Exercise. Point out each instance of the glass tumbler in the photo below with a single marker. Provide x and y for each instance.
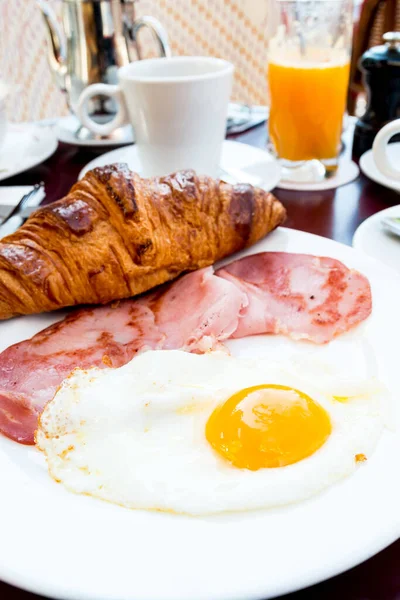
(309, 50)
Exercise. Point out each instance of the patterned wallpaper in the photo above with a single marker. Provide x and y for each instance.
(231, 29)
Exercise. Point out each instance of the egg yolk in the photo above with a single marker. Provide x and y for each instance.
(267, 426)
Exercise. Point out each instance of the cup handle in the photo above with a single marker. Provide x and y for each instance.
(113, 91)
(379, 149)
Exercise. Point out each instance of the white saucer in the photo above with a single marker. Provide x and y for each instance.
(374, 240)
(369, 168)
(25, 146)
(346, 173)
(246, 163)
(69, 131)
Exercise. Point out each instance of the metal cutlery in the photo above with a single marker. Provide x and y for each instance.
(17, 215)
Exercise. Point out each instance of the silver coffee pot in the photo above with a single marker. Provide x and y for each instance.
(95, 39)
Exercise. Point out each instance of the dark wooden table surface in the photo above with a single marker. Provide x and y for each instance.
(334, 214)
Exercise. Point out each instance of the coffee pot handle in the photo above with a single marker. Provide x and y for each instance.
(158, 31)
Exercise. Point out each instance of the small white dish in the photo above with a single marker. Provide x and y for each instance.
(70, 131)
(375, 240)
(346, 173)
(237, 159)
(25, 146)
(370, 169)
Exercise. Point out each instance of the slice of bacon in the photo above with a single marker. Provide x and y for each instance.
(189, 313)
(31, 371)
(298, 295)
(302, 296)
(197, 311)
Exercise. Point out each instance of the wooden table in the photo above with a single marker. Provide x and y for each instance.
(334, 214)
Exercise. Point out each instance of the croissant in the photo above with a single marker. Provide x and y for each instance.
(116, 235)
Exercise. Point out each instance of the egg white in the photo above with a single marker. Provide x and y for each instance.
(135, 436)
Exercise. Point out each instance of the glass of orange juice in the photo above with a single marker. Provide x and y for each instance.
(309, 48)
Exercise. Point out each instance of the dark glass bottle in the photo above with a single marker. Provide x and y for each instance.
(381, 74)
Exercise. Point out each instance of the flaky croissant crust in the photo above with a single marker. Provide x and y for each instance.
(116, 235)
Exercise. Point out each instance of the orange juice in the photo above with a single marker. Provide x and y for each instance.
(308, 101)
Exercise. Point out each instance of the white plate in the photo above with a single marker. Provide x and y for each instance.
(66, 546)
(374, 240)
(258, 164)
(26, 145)
(369, 168)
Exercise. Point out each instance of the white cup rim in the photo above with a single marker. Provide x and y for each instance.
(128, 71)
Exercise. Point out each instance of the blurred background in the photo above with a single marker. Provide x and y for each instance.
(232, 29)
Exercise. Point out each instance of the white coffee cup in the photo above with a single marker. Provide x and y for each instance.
(177, 107)
(379, 150)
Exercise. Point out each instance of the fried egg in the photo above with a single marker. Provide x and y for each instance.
(203, 434)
